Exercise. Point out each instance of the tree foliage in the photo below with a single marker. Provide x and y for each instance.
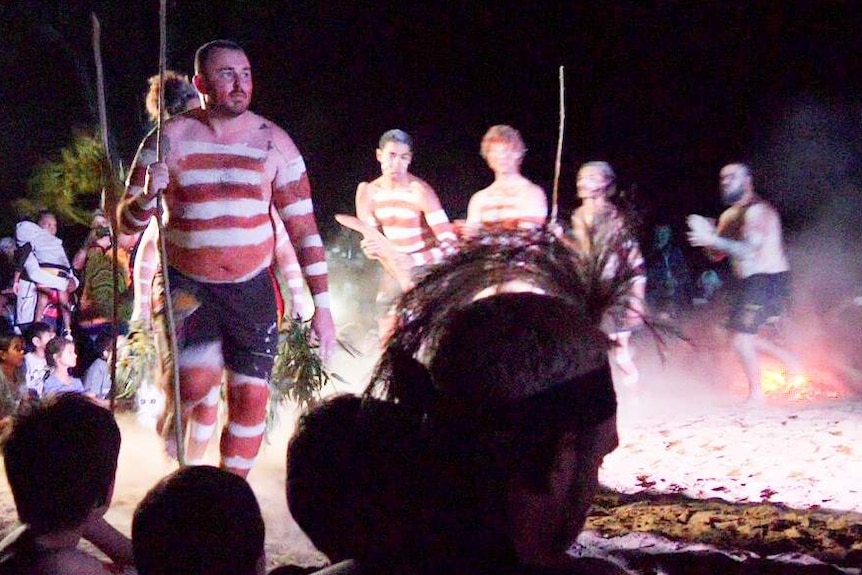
(70, 185)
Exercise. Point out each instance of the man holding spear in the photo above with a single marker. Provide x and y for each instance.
(223, 167)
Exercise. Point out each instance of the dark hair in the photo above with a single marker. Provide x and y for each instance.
(61, 459)
(44, 213)
(55, 346)
(372, 516)
(199, 520)
(36, 329)
(6, 339)
(397, 136)
(203, 53)
(104, 343)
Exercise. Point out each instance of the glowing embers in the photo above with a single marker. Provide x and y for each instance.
(813, 384)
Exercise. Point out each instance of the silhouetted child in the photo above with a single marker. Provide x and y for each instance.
(61, 459)
(200, 520)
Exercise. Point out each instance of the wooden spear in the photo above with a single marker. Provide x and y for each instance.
(108, 200)
(555, 196)
(163, 252)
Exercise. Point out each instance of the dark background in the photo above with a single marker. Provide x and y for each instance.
(666, 91)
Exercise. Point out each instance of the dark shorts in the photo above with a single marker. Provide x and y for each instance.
(759, 298)
(242, 316)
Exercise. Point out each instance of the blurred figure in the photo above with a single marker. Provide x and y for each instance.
(596, 226)
(476, 446)
(61, 458)
(45, 272)
(749, 233)
(669, 285)
(511, 201)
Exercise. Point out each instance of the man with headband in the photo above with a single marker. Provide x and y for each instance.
(749, 232)
(501, 407)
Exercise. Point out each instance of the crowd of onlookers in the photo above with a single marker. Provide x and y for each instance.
(474, 449)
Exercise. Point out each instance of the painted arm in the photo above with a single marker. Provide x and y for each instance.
(288, 266)
(291, 193)
(146, 179)
(441, 227)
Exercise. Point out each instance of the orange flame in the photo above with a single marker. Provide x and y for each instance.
(801, 386)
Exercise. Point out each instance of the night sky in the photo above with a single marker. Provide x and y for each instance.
(666, 91)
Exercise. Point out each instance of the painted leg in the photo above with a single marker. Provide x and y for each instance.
(746, 350)
(201, 370)
(621, 355)
(791, 361)
(242, 436)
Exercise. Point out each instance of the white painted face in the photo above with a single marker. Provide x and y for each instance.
(503, 158)
(591, 182)
(394, 158)
(150, 404)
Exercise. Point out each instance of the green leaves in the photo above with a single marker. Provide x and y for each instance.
(298, 373)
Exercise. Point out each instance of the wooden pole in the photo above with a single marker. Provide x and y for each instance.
(108, 202)
(163, 253)
(555, 196)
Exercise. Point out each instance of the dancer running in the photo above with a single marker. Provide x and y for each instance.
(749, 233)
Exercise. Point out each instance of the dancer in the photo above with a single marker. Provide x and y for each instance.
(408, 213)
(749, 232)
(511, 201)
(594, 224)
(223, 167)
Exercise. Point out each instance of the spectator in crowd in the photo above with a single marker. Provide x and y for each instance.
(61, 357)
(97, 380)
(61, 458)
(476, 447)
(200, 520)
(36, 369)
(11, 376)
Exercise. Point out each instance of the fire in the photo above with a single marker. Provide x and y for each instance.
(801, 386)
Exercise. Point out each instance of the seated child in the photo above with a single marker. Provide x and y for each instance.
(71, 445)
(36, 368)
(97, 380)
(200, 520)
(61, 356)
(11, 378)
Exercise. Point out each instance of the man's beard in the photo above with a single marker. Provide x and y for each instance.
(233, 108)
(730, 197)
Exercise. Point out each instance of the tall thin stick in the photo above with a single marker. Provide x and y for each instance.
(163, 251)
(555, 198)
(108, 203)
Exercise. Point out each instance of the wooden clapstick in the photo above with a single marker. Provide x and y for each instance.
(395, 263)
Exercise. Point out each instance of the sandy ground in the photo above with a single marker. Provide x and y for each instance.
(682, 434)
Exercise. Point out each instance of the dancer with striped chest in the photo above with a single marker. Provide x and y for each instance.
(408, 213)
(223, 167)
